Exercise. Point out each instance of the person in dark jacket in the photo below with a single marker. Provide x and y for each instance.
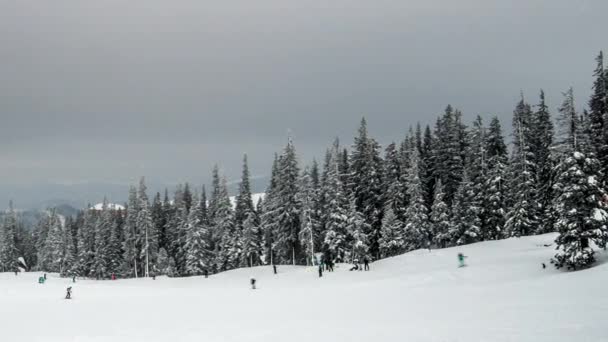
(274, 267)
(366, 263)
(68, 294)
(206, 273)
(320, 269)
(252, 283)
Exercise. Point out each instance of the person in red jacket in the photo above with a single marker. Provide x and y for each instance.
(113, 276)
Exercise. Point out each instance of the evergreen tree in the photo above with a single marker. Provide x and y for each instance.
(366, 177)
(417, 228)
(244, 202)
(494, 201)
(440, 218)
(598, 113)
(522, 217)
(8, 241)
(289, 208)
(582, 211)
(251, 241)
(391, 235)
(336, 209)
(198, 255)
(466, 227)
(356, 229)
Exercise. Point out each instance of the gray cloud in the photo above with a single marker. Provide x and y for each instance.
(110, 90)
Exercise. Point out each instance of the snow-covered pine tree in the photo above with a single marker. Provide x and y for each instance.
(309, 229)
(466, 223)
(132, 235)
(449, 162)
(391, 240)
(522, 217)
(366, 176)
(103, 232)
(54, 247)
(244, 202)
(544, 160)
(356, 227)
(417, 230)
(251, 244)
(427, 159)
(289, 208)
(477, 169)
(440, 218)
(581, 208)
(494, 201)
(8, 241)
(148, 240)
(336, 209)
(198, 255)
(394, 189)
(598, 114)
(228, 250)
(268, 215)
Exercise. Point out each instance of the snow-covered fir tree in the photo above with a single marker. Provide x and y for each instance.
(366, 177)
(522, 217)
(440, 218)
(199, 258)
(289, 208)
(494, 199)
(8, 241)
(582, 211)
(252, 243)
(417, 228)
(466, 221)
(336, 209)
(391, 240)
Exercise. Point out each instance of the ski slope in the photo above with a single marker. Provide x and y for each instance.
(502, 295)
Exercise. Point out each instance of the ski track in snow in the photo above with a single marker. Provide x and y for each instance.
(502, 295)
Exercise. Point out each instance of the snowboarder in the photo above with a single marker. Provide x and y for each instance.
(366, 263)
(274, 267)
(321, 269)
(73, 279)
(68, 294)
(113, 276)
(330, 265)
(206, 273)
(45, 276)
(355, 267)
(544, 266)
(40, 280)
(252, 283)
(461, 258)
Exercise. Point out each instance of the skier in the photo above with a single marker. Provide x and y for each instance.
(366, 263)
(206, 273)
(274, 267)
(252, 283)
(461, 258)
(68, 294)
(321, 269)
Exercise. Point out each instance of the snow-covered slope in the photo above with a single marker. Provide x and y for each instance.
(502, 295)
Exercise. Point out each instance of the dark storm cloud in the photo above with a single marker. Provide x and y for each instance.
(110, 90)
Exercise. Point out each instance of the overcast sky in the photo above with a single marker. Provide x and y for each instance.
(109, 90)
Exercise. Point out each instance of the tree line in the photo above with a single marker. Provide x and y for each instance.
(447, 185)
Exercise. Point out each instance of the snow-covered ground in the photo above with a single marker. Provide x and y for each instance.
(502, 295)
